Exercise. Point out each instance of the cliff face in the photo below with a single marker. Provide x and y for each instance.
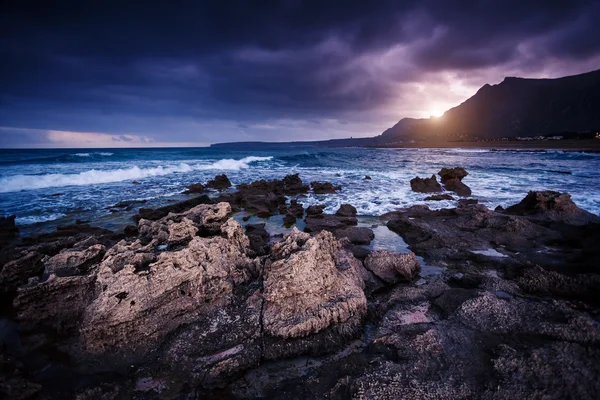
(514, 107)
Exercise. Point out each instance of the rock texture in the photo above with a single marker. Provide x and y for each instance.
(220, 182)
(393, 267)
(325, 187)
(425, 185)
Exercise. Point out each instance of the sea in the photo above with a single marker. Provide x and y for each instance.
(47, 188)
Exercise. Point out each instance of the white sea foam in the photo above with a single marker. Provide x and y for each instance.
(17, 183)
(82, 154)
(106, 154)
(34, 219)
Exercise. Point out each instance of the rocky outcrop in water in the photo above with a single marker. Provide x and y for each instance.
(425, 185)
(325, 187)
(220, 182)
(452, 180)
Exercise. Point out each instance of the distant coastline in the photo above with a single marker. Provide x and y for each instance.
(591, 145)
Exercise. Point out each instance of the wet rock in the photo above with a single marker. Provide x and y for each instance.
(367, 178)
(327, 222)
(466, 202)
(447, 174)
(263, 205)
(195, 188)
(296, 209)
(456, 186)
(8, 229)
(311, 286)
(552, 206)
(439, 197)
(127, 204)
(130, 230)
(325, 187)
(425, 185)
(356, 235)
(136, 183)
(220, 182)
(346, 210)
(14, 383)
(584, 287)
(154, 214)
(74, 262)
(315, 210)
(393, 267)
(259, 238)
(293, 185)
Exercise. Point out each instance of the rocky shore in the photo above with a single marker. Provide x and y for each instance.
(189, 303)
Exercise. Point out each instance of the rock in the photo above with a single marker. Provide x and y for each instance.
(315, 210)
(74, 262)
(289, 220)
(126, 253)
(499, 209)
(367, 178)
(15, 273)
(466, 202)
(263, 205)
(296, 209)
(220, 182)
(126, 204)
(325, 187)
(319, 222)
(130, 230)
(8, 229)
(552, 206)
(393, 267)
(346, 210)
(154, 214)
(425, 185)
(56, 194)
(456, 186)
(293, 185)
(560, 172)
(136, 312)
(439, 197)
(195, 188)
(311, 286)
(136, 183)
(447, 174)
(356, 235)
(259, 238)
(181, 232)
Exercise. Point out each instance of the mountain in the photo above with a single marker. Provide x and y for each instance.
(514, 107)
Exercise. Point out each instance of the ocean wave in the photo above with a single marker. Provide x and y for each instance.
(105, 153)
(17, 183)
(35, 219)
(82, 154)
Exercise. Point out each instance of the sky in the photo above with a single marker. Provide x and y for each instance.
(119, 74)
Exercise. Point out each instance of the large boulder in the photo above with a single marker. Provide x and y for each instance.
(220, 182)
(356, 235)
(447, 174)
(195, 188)
(137, 310)
(325, 187)
(552, 206)
(346, 210)
(425, 185)
(16, 272)
(393, 267)
(311, 286)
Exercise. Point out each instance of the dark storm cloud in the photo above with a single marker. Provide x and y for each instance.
(118, 67)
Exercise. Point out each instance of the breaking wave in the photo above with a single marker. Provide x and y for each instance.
(17, 183)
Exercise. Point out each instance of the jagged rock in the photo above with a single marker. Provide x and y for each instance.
(439, 197)
(259, 238)
(447, 174)
(154, 214)
(346, 210)
(367, 178)
(195, 188)
(456, 186)
(8, 229)
(181, 232)
(15, 273)
(325, 187)
(220, 182)
(136, 311)
(315, 210)
(296, 209)
(74, 262)
(392, 267)
(552, 206)
(125, 254)
(356, 235)
(311, 285)
(293, 185)
(425, 185)
(203, 219)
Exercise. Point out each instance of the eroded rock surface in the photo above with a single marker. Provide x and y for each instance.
(425, 185)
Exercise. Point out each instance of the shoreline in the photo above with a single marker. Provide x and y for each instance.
(586, 146)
